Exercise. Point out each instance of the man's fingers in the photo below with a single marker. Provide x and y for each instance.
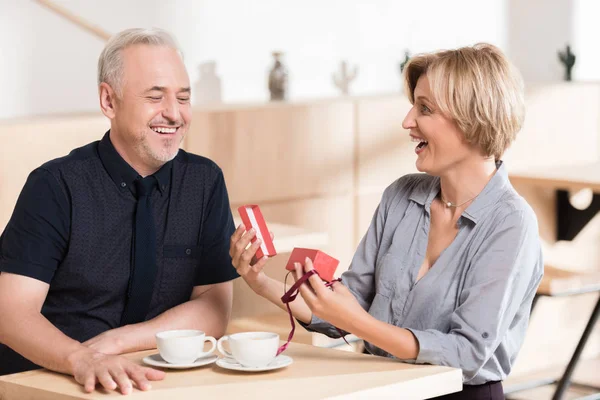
(105, 379)
(89, 382)
(154, 374)
(272, 236)
(138, 376)
(120, 377)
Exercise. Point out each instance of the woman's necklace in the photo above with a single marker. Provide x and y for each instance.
(450, 204)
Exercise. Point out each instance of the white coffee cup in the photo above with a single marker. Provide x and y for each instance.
(183, 346)
(251, 349)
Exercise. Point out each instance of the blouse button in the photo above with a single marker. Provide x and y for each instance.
(123, 184)
(485, 335)
(188, 251)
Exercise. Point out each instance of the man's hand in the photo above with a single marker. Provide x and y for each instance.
(89, 367)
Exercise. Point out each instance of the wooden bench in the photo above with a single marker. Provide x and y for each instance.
(558, 283)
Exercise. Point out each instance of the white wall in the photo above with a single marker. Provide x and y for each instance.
(586, 38)
(49, 66)
(538, 29)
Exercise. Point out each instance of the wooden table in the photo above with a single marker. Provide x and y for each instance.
(316, 373)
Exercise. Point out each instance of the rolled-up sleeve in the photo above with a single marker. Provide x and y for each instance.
(502, 279)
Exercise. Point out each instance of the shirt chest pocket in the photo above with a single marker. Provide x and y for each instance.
(181, 251)
(180, 266)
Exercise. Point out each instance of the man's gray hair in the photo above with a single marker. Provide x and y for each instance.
(110, 63)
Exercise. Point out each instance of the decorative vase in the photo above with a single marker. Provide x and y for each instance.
(278, 79)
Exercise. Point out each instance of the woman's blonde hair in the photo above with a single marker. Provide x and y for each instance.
(478, 88)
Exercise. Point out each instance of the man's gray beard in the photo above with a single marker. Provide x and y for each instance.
(160, 158)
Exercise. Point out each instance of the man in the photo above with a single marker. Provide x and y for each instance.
(122, 238)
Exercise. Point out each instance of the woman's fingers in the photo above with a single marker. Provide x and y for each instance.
(305, 289)
(237, 235)
(259, 265)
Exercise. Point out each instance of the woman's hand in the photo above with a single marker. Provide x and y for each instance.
(336, 304)
(244, 260)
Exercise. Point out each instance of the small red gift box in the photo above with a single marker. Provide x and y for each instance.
(253, 218)
(322, 262)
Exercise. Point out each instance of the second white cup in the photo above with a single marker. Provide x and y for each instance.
(251, 349)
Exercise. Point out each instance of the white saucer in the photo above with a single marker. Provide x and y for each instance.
(157, 361)
(279, 362)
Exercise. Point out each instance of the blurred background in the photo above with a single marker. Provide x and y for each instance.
(318, 162)
(43, 54)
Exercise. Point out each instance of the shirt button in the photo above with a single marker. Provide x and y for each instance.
(485, 335)
(123, 184)
(188, 251)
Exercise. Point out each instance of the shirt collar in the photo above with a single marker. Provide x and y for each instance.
(122, 174)
(425, 194)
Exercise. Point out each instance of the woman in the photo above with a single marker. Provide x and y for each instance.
(447, 271)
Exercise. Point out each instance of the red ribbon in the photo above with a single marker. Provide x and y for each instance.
(291, 295)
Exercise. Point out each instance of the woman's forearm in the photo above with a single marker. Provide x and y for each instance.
(397, 341)
(273, 290)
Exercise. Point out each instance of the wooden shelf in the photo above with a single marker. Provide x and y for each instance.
(561, 177)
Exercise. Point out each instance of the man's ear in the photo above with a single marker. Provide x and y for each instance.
(108, 99)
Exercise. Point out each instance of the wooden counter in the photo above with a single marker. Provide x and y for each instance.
(561, 177)
(315, 373)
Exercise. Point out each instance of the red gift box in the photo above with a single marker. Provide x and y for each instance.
(253, 218)
(322, 262)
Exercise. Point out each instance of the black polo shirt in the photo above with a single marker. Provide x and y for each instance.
(72, 228)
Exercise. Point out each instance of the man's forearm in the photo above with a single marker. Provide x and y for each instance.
(204, 313)
(36, 339)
